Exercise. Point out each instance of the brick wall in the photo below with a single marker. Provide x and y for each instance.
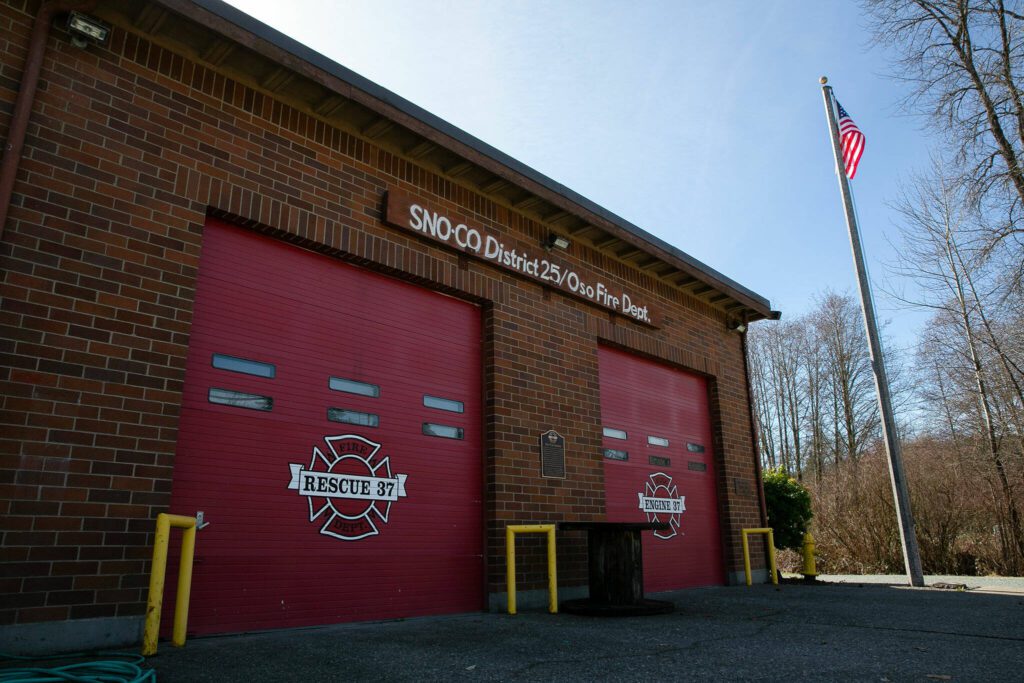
(130, 147)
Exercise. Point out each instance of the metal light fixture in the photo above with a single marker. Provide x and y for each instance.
(738, 326)
(556, 242)
(85, 29)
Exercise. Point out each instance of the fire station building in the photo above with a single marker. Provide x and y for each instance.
(243, 281)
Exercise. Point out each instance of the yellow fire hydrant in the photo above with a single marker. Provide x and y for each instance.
(809, 571)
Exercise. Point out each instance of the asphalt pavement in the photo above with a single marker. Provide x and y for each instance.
(835, 631)
(840, 629)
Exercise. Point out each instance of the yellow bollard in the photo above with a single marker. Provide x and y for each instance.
(188, 551)
(164, 522)
(156, 585)
(772, 568)
(810, 570)
(510, 562)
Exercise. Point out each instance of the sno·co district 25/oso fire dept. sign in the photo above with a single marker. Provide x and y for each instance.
(402, 211)
(344, 486)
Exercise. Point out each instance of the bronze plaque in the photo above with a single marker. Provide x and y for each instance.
(552, 454)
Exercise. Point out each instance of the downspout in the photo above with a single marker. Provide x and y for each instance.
(26, 97)
(775, 315)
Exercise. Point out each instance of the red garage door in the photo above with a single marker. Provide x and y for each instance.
(330, 433)
(659, 467)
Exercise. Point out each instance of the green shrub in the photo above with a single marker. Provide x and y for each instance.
(789, 508)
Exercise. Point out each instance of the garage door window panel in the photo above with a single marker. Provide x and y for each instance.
(443, 431)
(238, 399)
(353, 417)
(616, 454)
(222, 361)
(612, 433)
(447, 404)
(351, 386)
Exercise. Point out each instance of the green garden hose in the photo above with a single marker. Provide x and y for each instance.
(128, 669)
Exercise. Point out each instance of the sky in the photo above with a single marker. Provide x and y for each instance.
(700, 122)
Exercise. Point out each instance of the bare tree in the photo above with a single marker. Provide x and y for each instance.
(760, 379)
(813, 388)
(936, 218)
(964, 60)
(816, 382)
(840, 332)
(777, 366)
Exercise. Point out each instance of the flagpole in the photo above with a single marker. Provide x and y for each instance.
(901, 495)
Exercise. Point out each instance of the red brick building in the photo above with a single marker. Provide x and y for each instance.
(241, 279)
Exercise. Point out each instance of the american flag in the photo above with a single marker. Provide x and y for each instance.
(851, 140)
